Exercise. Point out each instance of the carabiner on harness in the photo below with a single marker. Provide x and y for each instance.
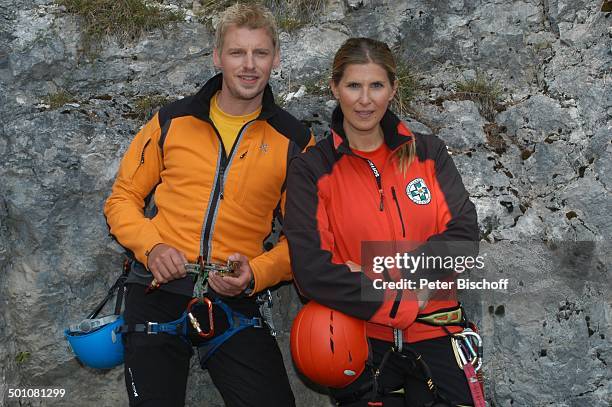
(194, 321)
(467, 346)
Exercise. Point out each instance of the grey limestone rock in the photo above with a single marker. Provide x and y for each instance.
(464, 125)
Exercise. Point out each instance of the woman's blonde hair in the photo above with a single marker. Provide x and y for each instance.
(364, 51)
(251, 16)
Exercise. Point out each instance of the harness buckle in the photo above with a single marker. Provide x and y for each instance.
(398, 339)
(150, 330)
(258, 322)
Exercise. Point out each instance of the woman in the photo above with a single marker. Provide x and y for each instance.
(373, 180)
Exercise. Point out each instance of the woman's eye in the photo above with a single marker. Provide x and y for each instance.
(353, 85)
(377, 85)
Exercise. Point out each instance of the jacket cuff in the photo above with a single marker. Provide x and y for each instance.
(271, 267)
(151, 240)
(258, 276)
(263, 276)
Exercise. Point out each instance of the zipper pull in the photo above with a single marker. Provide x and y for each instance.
(381, 199)
(221, 183)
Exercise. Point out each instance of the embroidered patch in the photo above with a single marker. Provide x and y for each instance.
(418, 192)
(263, 148)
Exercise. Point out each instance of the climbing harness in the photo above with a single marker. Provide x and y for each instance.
(236, 321)
(467, 347)
(178, 326)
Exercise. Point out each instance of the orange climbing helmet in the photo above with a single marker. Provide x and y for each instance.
(328, 347)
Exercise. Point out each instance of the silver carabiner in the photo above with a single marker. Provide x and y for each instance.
(472, 341)
(462, 359)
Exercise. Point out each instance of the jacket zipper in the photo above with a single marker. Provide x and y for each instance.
(230, 157)
(225, 161)
(142, 158)
(380, 191)
(377, 178)
(398, 211)
(142, 153)
(377, 175)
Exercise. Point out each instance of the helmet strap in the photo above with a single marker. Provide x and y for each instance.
(119, 288)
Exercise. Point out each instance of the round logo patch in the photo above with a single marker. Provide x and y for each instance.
(418, 192)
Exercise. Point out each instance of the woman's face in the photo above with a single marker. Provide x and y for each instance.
(364, 92)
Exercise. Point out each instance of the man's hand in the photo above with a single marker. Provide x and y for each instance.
(231, 286)
(166, 263)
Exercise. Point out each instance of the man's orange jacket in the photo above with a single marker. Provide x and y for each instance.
(208, 202)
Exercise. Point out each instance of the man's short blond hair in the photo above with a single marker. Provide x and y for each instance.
(251, 16)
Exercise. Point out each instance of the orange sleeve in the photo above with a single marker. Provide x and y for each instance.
(139, 173)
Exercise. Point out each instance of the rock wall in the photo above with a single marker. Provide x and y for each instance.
(537, 164)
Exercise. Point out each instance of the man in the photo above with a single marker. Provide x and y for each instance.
(217, 163)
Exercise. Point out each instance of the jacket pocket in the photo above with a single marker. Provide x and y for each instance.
(141, 158)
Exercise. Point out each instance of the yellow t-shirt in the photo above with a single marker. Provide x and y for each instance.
(229, 125)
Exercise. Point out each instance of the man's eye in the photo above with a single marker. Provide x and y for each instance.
(262, 53)
(377, 85)
(353, 85)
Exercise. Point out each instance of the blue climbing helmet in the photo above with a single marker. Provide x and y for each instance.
(96, 342)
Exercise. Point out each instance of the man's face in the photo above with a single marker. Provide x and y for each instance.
(246, 60)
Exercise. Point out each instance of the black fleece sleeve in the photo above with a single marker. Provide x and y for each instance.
(460, 235)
